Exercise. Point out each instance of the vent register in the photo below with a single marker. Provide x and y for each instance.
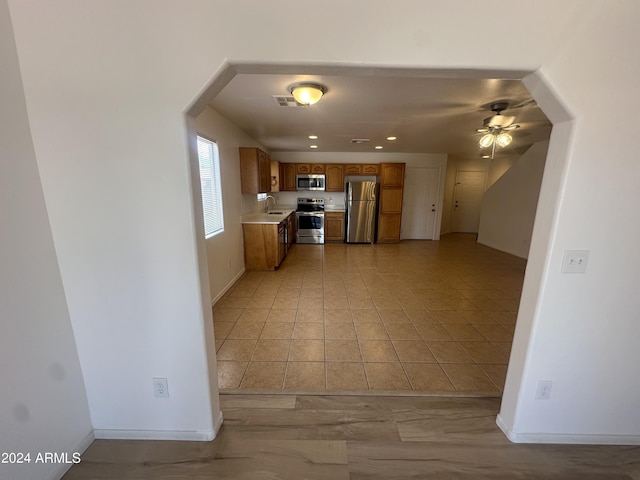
(286, 101)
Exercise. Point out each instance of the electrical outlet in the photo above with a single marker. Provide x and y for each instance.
(575, 261)
(160, 387)
(543, 392)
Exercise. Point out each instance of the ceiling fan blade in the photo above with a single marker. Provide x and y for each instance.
(511, 127)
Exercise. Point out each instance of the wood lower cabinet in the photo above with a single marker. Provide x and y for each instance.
(282, 242)
(334, 226)
(334, 178)
(291, 230)
(389, 227)
(266, 244)
(288, 177)
(390, 206)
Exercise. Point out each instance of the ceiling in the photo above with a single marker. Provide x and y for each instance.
(427, 115)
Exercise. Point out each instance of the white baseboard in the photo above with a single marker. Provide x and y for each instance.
(62, 468)
(186, 435)
(567, 438)
(229, 285)
(502, 248)
(217, 424)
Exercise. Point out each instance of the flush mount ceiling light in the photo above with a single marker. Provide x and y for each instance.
(495, 129)
(307, 93)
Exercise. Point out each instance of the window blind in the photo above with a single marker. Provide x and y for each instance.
(210, 185)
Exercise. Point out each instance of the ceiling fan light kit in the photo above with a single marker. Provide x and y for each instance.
(495, 129)
(307, 93)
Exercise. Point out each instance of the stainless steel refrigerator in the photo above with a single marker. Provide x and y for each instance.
(362, 209)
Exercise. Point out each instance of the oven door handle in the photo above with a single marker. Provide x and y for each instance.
(308, 214)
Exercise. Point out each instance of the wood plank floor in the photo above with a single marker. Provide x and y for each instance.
(355, 437)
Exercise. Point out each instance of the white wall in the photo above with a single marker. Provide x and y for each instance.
(43, 403)
(581, 330)
(494, 169)
(225, 252)
(509, 205)
(112, 150)
(106, 86)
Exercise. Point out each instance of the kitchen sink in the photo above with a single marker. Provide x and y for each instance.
(276, 213)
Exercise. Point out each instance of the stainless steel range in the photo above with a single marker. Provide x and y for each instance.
(310, 220)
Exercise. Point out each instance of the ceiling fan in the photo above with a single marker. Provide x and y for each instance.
(496, 127)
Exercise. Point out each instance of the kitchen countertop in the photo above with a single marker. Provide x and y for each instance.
(274, 217)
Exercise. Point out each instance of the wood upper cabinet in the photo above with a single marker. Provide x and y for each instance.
(255, 171)
(334, 178)
(392, 174)
(390, 207)
(362, 169)
(316, 168)
(352, 169)
(287, 177)
(370, 169)
(334, 226)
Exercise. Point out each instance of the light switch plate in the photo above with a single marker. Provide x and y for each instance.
(575, 261)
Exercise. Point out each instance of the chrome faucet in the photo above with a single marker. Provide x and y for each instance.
(266, 202)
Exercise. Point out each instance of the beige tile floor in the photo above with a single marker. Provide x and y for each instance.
(419, 316)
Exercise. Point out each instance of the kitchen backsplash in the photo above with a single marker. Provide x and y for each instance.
(290, 199)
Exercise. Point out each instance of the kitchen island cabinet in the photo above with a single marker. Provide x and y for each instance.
(267, 239)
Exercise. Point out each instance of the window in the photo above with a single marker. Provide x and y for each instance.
(210, 186)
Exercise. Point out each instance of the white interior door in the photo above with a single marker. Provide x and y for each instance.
(467, 200)
(420, 201)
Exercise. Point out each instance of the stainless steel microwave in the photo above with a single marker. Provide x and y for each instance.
(310, 182)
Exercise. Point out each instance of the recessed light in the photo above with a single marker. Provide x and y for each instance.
(313, 146)
(313, 137)
(379, 147)
(391, 139)
(486, 156)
